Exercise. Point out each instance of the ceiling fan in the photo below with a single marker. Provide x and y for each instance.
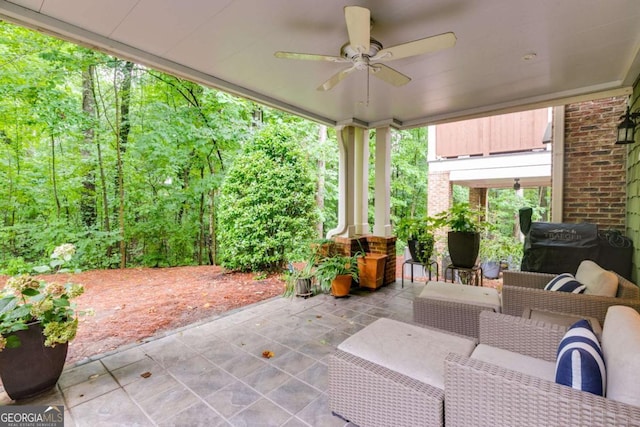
(366, 53)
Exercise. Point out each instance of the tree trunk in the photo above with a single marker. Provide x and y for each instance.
(53, 175)
(88, 210)
(122, 128)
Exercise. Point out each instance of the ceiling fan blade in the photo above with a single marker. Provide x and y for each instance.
(359, 27)
(309, 57)
(389, 75)
(416, 47)
(336, 78)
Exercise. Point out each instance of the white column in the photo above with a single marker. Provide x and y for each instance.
(361, 181)
(343, 188)
(382, 225)
(557, 165)
(353, 171)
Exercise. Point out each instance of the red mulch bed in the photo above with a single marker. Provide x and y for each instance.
(137, 303)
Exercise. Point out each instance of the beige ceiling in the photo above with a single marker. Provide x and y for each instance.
(583, 49)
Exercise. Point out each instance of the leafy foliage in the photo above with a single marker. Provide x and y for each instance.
(267, 203)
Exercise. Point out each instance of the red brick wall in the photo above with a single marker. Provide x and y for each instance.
(594, 167)
(372, 244)
(438, 192)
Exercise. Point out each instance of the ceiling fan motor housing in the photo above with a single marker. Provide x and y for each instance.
(352, 54)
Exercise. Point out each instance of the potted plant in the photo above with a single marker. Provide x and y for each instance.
(463, 238)
(299, 282)
(418, 233)
(491, 254)
(371, 268)
(37, 321)
(335, 274)
(497, 252)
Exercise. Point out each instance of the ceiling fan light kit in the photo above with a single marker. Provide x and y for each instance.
(364, 53)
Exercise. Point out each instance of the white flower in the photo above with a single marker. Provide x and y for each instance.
(64, 251)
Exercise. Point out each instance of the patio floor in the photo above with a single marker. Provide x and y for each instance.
(213, 373)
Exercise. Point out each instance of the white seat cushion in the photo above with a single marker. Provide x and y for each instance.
(597, 280)
(621, 348)
(408, 349)
(516, 362)
(474, 295)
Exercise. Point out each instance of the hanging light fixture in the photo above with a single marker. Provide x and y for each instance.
(516, 184)
(626, 128)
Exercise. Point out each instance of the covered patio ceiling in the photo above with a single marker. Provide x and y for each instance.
(509, 55)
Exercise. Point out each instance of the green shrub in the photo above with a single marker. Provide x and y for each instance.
(267, 203)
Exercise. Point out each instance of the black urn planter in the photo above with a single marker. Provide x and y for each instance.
(416, 250)
(32, 368)
(464, 247)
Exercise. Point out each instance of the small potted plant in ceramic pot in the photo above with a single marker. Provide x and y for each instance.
(335, 274)
(37, 321)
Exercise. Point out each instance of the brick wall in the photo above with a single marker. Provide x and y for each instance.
(478, 198)
(594, 167)
(438, 199)
(372, 244)
(438, 192)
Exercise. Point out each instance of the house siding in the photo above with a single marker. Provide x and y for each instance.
(633, 191)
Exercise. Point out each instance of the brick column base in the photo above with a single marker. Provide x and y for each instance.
(372, 244)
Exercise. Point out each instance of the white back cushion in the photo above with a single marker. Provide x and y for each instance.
(597, 280)
(515, 361)
(621, 348)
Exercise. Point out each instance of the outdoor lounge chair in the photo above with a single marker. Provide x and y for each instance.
(391, 373)
(504, 389)
(523, 289)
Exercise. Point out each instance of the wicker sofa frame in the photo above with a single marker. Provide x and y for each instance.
(525, 289)
(454, 316)
(482, 394)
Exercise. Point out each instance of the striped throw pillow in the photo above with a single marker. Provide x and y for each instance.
(565, 282)
(580, 363)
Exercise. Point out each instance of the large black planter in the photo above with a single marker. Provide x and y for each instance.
(418, 252)
(463, 248)
(32, 368)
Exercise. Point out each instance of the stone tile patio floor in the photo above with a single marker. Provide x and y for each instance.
(213, 373)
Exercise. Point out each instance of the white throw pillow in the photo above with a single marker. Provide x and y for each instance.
(621, 348)
(597, 280)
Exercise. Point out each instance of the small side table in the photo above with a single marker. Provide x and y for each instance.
(426, 267)
(468, 276)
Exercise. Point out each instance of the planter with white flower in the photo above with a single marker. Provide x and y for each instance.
(37, 321)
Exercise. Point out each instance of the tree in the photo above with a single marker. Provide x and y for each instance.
(267, 202)
(409, 174)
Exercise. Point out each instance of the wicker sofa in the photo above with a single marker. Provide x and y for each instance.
(485, 393)
(523, 289)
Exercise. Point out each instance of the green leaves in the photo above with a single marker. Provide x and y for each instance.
(267, 203)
